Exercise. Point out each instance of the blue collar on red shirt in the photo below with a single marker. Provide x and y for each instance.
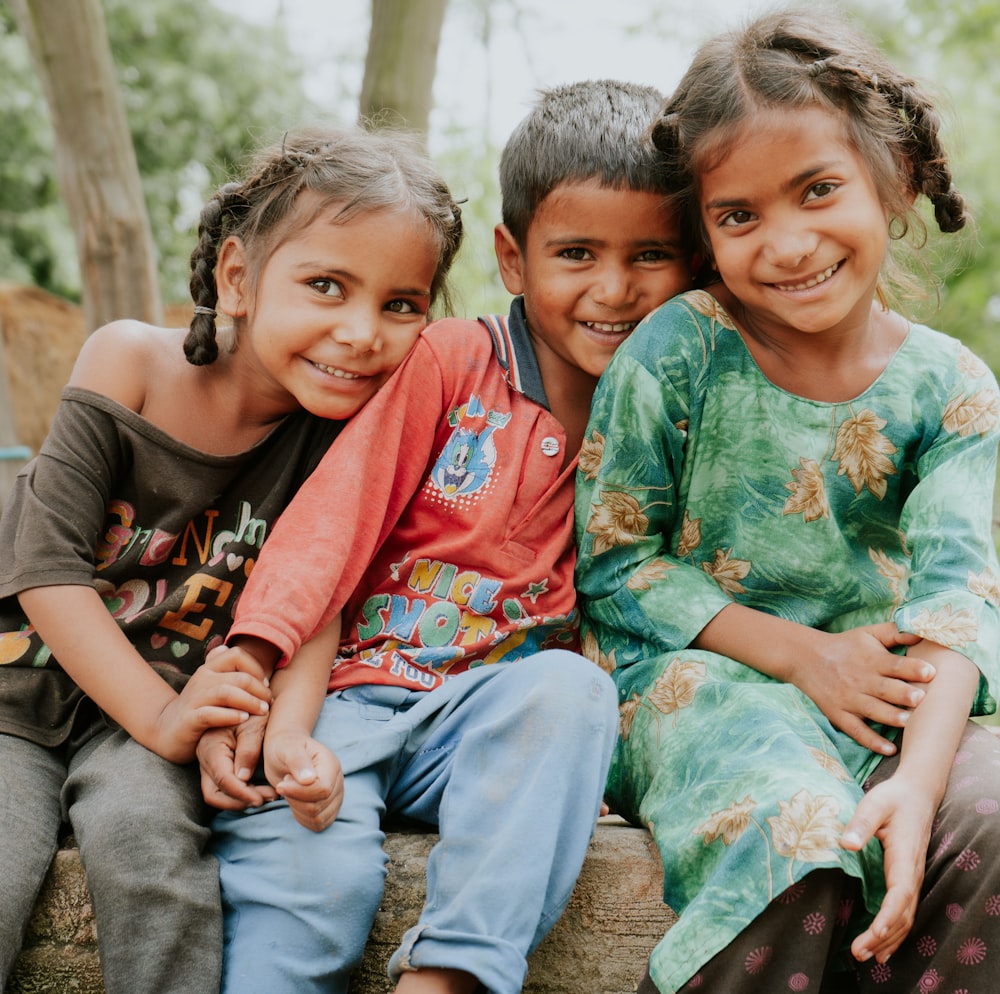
(515, 352)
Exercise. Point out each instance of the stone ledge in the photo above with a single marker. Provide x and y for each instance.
(600, 945)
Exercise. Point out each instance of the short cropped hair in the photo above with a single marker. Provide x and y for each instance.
(596, 129)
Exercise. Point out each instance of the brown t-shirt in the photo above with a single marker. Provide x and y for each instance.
(166, 534)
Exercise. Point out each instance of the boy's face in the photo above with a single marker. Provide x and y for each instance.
(595, 262)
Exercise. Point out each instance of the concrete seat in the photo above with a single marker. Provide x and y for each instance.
(600, 945)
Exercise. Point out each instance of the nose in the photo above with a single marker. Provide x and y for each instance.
(359, 329)
(613, 286)
(788, 245)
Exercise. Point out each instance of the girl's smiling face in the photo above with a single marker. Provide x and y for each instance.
(797, 228)
(337, 307)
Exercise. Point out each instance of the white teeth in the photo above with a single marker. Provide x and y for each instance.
(815, 281)
(616, 328)
(334, 371)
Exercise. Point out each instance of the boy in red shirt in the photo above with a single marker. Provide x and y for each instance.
(435, 538)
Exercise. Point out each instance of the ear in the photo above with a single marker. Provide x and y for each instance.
(510, 259)
(230, 277)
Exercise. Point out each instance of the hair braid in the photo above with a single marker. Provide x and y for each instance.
(200, 345)
(931, 174)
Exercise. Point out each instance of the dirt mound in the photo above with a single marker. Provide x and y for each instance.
(42, 335)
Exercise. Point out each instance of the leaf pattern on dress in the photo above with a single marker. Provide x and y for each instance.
(831, 764)
(592, 651)
(727, 572)
(863, 452)
(808, 492)
(627, 711)
(895, 572)
(970, 364)
(947, 627)
(591, 454)
(617, 520)
(676, 686)
(971, 415)
(985, 585)
(704, 303)
(728, 824)
(690, 536)
(657, 569)
(807, 828)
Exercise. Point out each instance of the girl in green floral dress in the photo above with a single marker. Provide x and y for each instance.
(786, 561)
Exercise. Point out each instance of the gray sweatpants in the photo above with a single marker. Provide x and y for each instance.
(141, 826)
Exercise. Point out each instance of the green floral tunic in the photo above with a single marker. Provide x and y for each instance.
(702, 483)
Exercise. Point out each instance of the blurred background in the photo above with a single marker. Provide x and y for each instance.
(203, 80)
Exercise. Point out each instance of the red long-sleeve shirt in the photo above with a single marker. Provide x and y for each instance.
(440, 522)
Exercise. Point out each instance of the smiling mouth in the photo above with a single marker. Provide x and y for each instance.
(342, 374)
(609, 328)
(811, 282)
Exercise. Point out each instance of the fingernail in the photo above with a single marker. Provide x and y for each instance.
(851, 838)
(904, 717)
(243, 773)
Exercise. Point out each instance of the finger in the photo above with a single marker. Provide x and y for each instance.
(232, 793)
(865, 735)
(292, 773)
(204, 719)
(889, 635)
(230, 659)
(246, 755)
(892, 697)
(869, 816)
(886, 933)
(228, 695)
(317, 816)
(910, 669)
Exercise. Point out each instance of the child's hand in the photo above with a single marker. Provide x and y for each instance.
(225, 690)
(855, 679)
(228, 757)
(899, 813)
(307, 775)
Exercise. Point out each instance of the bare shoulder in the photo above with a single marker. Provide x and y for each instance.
(124, 358)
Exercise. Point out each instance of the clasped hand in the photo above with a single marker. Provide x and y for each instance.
(223, 692)
(858, 679)
(296, 767)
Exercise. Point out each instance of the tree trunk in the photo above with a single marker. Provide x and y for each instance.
(12, 455)
(399, 67)
(95, 159)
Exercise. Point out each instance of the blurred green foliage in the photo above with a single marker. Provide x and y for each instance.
(951, 49)
(200, 88)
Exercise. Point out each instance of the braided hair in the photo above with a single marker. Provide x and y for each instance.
(355, 169)
(806, 58)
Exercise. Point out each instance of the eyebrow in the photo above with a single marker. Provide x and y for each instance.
(797, 180)
(644, 243)
(349, 277)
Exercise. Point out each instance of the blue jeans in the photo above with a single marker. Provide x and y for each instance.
(508, 761)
